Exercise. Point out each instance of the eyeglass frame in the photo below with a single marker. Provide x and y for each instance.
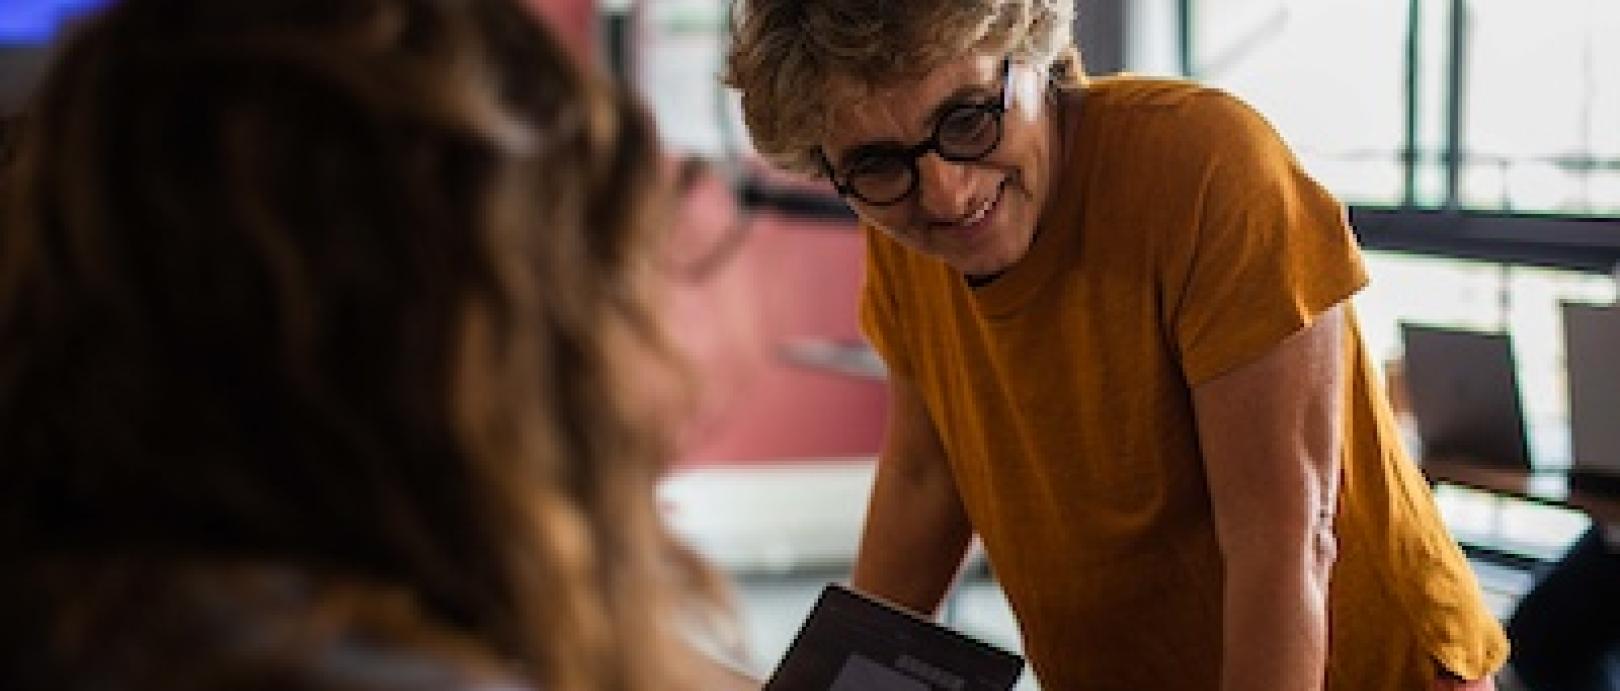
(911, 154)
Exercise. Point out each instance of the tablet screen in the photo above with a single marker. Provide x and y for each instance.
(853, 643)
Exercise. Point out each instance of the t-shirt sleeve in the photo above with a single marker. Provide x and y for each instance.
(1268, 248)
(879, 307)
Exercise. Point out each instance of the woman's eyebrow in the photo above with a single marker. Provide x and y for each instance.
(962, 93)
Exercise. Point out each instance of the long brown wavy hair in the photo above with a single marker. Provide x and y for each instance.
(352, 285)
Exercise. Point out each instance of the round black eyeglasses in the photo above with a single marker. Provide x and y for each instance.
(882, 175)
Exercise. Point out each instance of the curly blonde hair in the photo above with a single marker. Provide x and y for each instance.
(785, 54)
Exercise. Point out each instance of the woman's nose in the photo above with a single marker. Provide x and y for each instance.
(942, 188)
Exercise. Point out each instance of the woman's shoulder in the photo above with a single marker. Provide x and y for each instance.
(143, 624)
(1177, 113)
(1175, 130)
(1140, 95)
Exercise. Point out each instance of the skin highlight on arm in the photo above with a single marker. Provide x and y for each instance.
(917, 531)
(1271, 439)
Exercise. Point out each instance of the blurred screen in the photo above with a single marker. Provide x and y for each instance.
(32, 22)
(27, 30)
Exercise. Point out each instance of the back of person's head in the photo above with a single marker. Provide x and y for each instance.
(345, 286)
(7, 125)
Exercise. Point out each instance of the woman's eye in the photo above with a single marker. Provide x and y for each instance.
(964, 124)
(876, 166)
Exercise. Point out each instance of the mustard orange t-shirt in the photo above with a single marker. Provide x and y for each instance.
(1181, 240)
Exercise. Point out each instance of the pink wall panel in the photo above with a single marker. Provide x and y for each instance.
(574, 22)
(790, 281)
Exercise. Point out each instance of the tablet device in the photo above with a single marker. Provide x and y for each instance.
(852, 642)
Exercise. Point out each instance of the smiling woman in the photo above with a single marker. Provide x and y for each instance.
(970, 193)
(1114, 317)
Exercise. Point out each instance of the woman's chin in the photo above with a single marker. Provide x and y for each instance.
(980, 266)
(991, 260)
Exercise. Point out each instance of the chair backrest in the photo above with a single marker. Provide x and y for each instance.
(1592, 352)
(1464, 393)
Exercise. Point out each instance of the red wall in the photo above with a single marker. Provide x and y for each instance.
(790, 280)
(574, 21)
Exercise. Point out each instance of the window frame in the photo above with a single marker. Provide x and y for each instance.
(1582, 244)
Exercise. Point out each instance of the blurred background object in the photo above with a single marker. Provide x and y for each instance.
(27, 28)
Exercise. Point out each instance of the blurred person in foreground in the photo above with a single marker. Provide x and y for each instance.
(318, 321)
(1115, 315)
(1566, 628)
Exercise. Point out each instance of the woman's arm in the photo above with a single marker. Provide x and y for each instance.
(916, 532)
(1270, 433)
